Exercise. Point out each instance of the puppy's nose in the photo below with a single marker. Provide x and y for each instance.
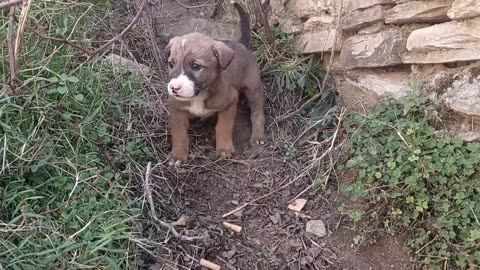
(175, 88)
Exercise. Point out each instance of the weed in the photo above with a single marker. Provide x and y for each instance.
(409, 179)
(67, 160)
(286, 70)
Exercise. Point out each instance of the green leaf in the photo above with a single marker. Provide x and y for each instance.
(474, 235)
(62, 90)
(72, 79)
(53, 79)
(38, 165)
(79, 97)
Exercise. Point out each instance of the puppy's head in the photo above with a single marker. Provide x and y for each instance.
(195, 63)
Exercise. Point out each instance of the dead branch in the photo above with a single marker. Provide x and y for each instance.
(10, 4)
(119, 36)
(264, 22)
(22, 22)
(325, 79)
(11, 48)
(62, 40)
(147, 20)
(153, 214)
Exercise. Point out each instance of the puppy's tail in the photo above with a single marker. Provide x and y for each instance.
(245, 34)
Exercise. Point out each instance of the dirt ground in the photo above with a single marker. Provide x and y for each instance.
(203, 190)
(272, 237)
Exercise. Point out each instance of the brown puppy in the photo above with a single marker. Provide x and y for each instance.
(206, 78)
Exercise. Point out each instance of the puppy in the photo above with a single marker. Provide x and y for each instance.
(206, 78)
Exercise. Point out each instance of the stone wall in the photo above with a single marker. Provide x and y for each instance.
(393, 47)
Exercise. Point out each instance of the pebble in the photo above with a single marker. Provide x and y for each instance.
(316, 227)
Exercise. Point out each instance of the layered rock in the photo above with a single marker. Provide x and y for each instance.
(359, 19)
(375, 50)
(462, 9)
(388, 47)
(361, 89)
(317, 42)
(306, 8)
(318, 23)
(419, 12)
(464, 97)
(363, 4)
(443, 43)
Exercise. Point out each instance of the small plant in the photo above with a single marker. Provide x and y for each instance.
(284, 68)
(291, 152)
(411, 180)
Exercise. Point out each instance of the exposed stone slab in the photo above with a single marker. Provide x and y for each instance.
(462, 9)
(374, 50)
(419, 12)
(317, 23)
(464, 97)
(362, 4)
(446, 42)
(362, 89)
(307, 8)
(315, 42)
(358, 19)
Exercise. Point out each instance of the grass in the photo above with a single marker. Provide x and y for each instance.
(410, 180)
(69, 151)
(73, 139)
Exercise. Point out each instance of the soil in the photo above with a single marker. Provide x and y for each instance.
(272, 236)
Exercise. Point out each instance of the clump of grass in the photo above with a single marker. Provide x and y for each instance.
(285, 70)
(411, 180)
(68, 152)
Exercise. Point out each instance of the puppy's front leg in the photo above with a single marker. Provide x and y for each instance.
(224, 131)
(179, 123)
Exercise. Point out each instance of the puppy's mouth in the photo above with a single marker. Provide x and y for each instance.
(184, 98)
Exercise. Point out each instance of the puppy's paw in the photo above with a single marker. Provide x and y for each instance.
(258, 140)
(176, 160)
(225, 151)
(257, 144)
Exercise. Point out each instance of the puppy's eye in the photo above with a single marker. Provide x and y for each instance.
(196, 67)
(171, 64)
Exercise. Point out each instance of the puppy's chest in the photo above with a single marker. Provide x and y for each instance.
(197, 107)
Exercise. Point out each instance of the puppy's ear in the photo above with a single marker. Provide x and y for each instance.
(224, 54)
(171, 44)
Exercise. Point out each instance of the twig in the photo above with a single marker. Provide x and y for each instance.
(153, 214)
(22, 22)
(264, 22)
(63, 40)
(10, 4)
(11, 48)
(325, 79)
(152, 38)
(119, 36)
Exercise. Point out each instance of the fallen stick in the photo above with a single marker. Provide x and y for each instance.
(10, 3)
(209, 264)
(22, 22)
(119, 36)
(153, 214)
(232, 227)
(11, 48)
